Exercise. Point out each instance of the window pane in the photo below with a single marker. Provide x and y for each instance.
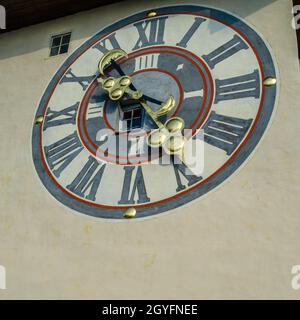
(64, 48)
(128, 122)
(66, 38)
(60, 44)
(55, 41)
(137, 113)
(136, 123)
(54, 51)
(127, 115)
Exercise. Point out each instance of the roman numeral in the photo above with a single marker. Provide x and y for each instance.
(245, 86)
(150, 32)
(84, 81)
(87, 182)
(187, 37)
(146, 62)
(58, 118)
(225, 132)
(193, 94)
(94, 112)
(102, 45)
(225, 51)
(180, 169)
(138, 187)
(61, 153)
(97, 102)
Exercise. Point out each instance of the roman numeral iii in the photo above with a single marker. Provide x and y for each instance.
(245, 86)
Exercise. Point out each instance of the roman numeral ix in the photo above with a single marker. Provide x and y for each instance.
(58, 118)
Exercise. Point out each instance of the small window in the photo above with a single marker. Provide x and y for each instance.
(131, 114)
(60, 44)
(133, 119)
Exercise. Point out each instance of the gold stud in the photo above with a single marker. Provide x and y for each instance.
(151, 14)
(110, 55)
(175, 124)
(109, 83)
(270, 81)
(129, 213)
(125, 81)
(116, 94)
(156, 139)
(39, 120)
(166, 107)
(175, 144)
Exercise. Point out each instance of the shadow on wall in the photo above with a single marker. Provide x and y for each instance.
(22, 42)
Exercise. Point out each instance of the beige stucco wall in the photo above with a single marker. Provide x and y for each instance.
(212, 248)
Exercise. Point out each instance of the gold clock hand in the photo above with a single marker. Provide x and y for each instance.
(152, 114)
(109, 56)
(168, 134)
(109, 59)
(117, 87)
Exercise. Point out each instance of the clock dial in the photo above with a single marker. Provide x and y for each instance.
(211, 63)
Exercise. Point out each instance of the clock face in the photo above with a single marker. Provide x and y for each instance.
(222, 77)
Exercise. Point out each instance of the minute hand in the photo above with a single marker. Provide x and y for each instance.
(117, 67)
(147, 108)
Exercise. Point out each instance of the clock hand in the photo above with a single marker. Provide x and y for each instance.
(171, 129)
(168, 134)
(117, 67)
(117, 87)
(174, 126)
(150, 99)
(110, 59)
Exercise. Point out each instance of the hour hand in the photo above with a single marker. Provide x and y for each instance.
(118, 68)
(150, 99)
(166, 107)
(109, 59)
(117, 87)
